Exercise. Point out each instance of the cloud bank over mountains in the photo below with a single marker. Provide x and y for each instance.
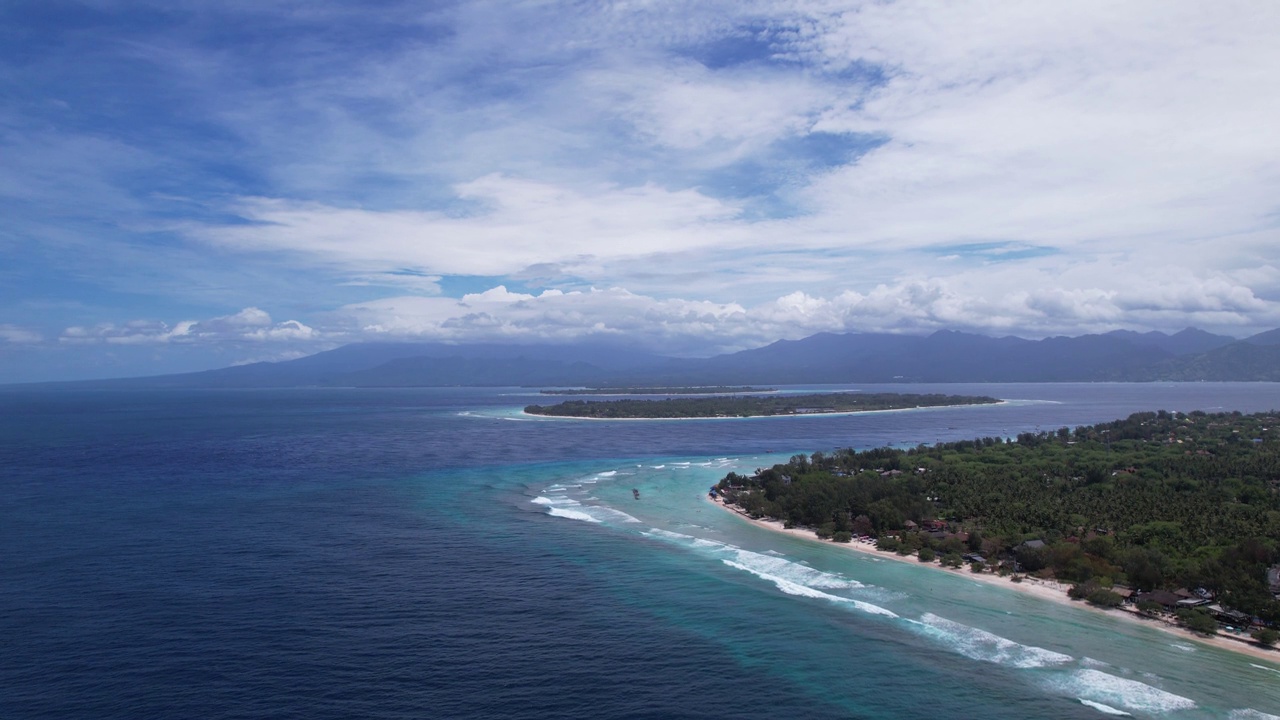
(695, 177)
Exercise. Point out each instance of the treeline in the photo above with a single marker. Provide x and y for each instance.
(751, 406)
(1155, 501)
(649, 390)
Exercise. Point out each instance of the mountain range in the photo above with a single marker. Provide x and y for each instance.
(944, 356)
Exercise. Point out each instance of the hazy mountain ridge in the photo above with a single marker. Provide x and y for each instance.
(1185, 342)
(944, 356)
(1238, 361)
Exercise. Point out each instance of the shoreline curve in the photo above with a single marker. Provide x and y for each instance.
(1049, 590)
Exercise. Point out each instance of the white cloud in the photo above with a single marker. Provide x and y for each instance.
(912, 306)
(287, 330)
(284, 356)
(699, 327)
(406, 280)
(250, 324)
(522, 223)
(19, 336)
(1144, 126)
(614, 313)
(727, 114)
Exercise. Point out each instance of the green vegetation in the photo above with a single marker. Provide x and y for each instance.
(683, 390)
(1104, 598)
(1147, 607)
(1094, 594)
(1198, 621)
(1158, 501)
(750, 406)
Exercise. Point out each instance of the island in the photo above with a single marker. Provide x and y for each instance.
(649, 390)
(751, 406)
(1170, 516)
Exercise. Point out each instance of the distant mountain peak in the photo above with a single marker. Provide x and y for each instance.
(1188, 341)
(1270, 337)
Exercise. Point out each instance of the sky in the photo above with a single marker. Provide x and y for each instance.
(187, 185)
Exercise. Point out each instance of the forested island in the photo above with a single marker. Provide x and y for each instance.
(649, 390)
(750, 406)
(1178, 513)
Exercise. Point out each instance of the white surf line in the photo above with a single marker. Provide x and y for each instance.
(1102, 691)
(1104, 709)
(1117, 692)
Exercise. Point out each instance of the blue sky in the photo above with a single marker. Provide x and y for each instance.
(188, 185)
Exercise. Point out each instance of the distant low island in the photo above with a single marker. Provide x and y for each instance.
(649, 390)
(750, 406)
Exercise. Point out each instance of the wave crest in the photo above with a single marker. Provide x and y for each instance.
(982, 645)
(1102, 688)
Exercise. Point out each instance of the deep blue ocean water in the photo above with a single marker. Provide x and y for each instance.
(430, 553)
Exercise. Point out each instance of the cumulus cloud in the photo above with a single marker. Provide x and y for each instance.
(250, 324)
(700, 327)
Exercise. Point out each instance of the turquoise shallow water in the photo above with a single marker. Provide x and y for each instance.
(431, 553)
(938, 619)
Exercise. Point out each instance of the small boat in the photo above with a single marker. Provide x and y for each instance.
(636, 493)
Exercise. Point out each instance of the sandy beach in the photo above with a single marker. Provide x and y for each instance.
(1049, 590)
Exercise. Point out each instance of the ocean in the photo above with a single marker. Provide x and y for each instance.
(433, 553)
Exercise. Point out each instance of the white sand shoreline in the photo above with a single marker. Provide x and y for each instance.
(1051, 591)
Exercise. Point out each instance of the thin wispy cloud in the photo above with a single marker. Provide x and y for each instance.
(699, 177)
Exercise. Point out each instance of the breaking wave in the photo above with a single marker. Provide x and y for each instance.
(563, 507)
(1104, 709)
(790, 577)
(1251, 714)
(571, 509)
(1098, 687)
(794, 588)
(793, 571)
(609, 513)
(982, 645)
